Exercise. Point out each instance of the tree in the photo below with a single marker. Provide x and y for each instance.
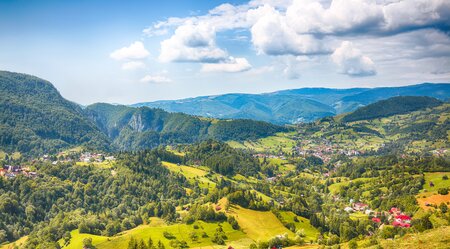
(443, 207)
(87, 242)
(132, 244)
(67, 237)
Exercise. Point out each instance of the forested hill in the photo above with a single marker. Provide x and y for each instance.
(36, 119)
(392, 106)
(137, 128)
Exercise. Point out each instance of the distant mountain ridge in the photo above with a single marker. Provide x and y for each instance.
(295, 105)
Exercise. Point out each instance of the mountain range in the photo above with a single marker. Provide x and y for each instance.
(36, 119)
(294, 106)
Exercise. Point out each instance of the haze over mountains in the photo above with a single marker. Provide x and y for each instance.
(296, 105)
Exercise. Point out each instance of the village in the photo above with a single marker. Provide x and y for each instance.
(394, 216)
(12, 171)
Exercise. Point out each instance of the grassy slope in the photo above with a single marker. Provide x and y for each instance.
(259, 225)
(155, 231)
(429, 194)
(192, 174)
(302, 224)
(271, 143)
(335, 187)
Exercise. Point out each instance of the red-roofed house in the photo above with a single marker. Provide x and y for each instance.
(359, 206)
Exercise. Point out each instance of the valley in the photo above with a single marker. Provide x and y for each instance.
(126, 177)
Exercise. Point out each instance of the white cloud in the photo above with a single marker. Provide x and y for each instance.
(307, 27)
(133, 65)
(306, 16)
(156, 79)
(192, 43)
(232, 65)
(414, 14)
(351, 61)
(271, 35)
(135, 51)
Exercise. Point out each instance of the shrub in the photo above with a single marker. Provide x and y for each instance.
(168, 235)
(443, 191)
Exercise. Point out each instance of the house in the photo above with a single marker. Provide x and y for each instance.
(376, 220)
(359, 206)
(395, 211)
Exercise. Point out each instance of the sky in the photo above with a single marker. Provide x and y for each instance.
(136, 51)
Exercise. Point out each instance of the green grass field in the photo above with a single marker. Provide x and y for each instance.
(271, 144)
(335, 187)
(436, 178)
(155, 231)
(193, 174)
(259, 225)
(303, 224)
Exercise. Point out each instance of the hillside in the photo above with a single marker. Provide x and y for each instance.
(391, 106)
(291, 188)
(36, 119)
(294, 106)
(136, 128)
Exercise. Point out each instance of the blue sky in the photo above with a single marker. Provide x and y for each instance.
(135, 51)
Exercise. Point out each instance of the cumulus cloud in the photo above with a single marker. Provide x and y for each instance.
(306, 16)
(302, 27)
(135, 51)
(271, 35)
(133, 65)
(156, 79)
(232, 65)
(192, 43)
(351, 61)
(416, 14)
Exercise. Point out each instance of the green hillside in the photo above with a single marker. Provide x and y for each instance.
(36, 119)
(136, 128)
(392, 106)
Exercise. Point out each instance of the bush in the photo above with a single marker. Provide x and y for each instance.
(445, 177)
(168, 235)
(233, 222)
(443, 191)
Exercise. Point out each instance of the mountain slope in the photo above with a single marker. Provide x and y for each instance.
(293, 106)
(136, 128)
(391, 106)
(36, 119)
